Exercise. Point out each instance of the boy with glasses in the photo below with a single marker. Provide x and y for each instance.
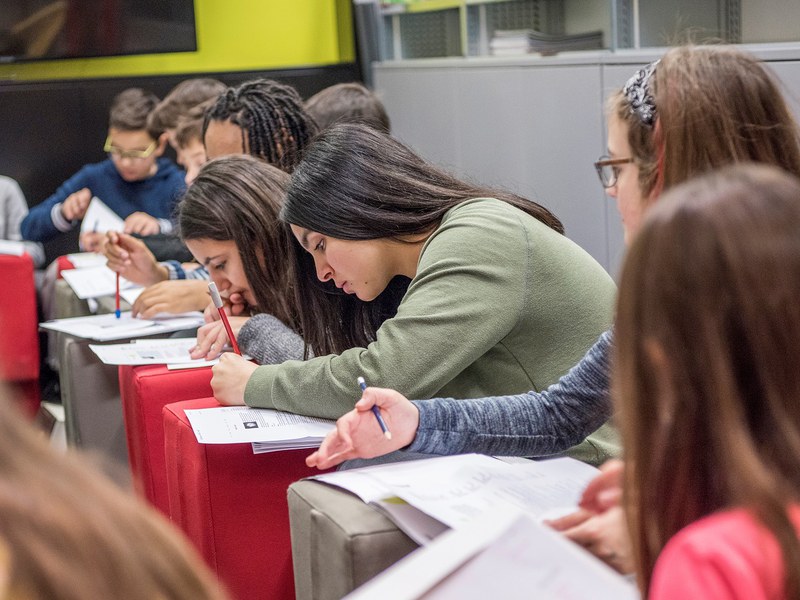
(134, 181)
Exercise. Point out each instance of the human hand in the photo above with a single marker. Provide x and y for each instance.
(74, 207)
(92, 241)
(212, 337)
(358, 434)
(605, 535)
(175, 297)
(605, 490)
(230, 376)
(133, 260)
(141, 224)
(234, 305)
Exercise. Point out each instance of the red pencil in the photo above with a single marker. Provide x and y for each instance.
(215, 298)
(117, 311)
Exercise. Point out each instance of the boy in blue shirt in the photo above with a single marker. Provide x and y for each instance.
(134, 181)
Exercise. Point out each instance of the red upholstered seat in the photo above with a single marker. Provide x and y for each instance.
(19, 338)
(64, 264)
(232, 505)
(144, 391)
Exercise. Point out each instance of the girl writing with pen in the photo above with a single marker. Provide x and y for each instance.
(499, 300)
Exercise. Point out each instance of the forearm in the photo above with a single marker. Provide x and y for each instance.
(531, 424)
(269, 341)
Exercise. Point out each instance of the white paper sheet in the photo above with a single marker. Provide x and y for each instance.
(236, 424)
(93, 282)
(100, 218)
(455, 489)
(499, 555)
(82, 260)
(148, 352)
(12, 247)
(107, 327)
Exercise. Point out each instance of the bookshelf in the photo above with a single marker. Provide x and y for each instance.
(413, 29)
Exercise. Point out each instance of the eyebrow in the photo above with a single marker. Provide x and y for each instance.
(304, 239)
(209, 259)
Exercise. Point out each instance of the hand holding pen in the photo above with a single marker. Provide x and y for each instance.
(357, 435)
(376, 411)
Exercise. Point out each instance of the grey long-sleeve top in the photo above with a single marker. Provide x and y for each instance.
(531, 424)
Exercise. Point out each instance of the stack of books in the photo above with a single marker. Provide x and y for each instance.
(509, 42)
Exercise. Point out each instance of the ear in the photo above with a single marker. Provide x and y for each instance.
(162, 144)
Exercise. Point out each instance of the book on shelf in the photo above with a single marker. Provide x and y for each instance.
(425, 498)
(506, 42)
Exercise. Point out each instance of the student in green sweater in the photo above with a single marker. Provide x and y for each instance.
(500, 301)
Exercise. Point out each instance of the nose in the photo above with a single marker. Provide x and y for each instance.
(222, 282)
(324, 270)
(612, 191)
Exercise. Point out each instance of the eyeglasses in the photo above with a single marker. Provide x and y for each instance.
(608, 169)
(131, 154)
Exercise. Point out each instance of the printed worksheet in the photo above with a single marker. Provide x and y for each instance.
(93, 282)
(108, 328)
(99, 218)
(149, 352)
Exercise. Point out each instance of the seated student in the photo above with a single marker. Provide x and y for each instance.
(498, 295)
(707, 389)
(229, 220)
(181, 100)
(262, 118)
(134, 181)
(13, 209)
(188, 138)
(661, 132)
(190, 292)
(347, 103)
(66, 532)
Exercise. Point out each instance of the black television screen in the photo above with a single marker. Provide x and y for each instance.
(48, 29)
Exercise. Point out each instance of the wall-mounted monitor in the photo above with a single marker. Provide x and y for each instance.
(52, 29)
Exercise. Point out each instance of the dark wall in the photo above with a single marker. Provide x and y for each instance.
(49, 130)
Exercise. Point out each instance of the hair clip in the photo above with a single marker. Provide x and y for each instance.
(637, 91)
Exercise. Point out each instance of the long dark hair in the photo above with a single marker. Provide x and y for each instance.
(356, 183)
(238, 198)
(705, 374)
(271, 115)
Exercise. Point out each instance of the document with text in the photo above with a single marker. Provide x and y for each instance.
(506, 555)
(268, 430)
(453, 490)
(108, 328)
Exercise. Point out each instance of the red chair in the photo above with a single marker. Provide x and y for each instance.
(144, 391)
(231, 504)
(19, 336)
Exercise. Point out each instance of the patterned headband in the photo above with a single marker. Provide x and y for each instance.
(637, 91)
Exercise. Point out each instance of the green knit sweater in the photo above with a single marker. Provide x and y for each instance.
(500, 304)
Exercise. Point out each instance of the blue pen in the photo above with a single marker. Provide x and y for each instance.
(376, 411)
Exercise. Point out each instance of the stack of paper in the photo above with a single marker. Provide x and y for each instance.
(268, 430)
(453, 490)
(107, 327)
(506, 42)
(171, 351)
(499, 555)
